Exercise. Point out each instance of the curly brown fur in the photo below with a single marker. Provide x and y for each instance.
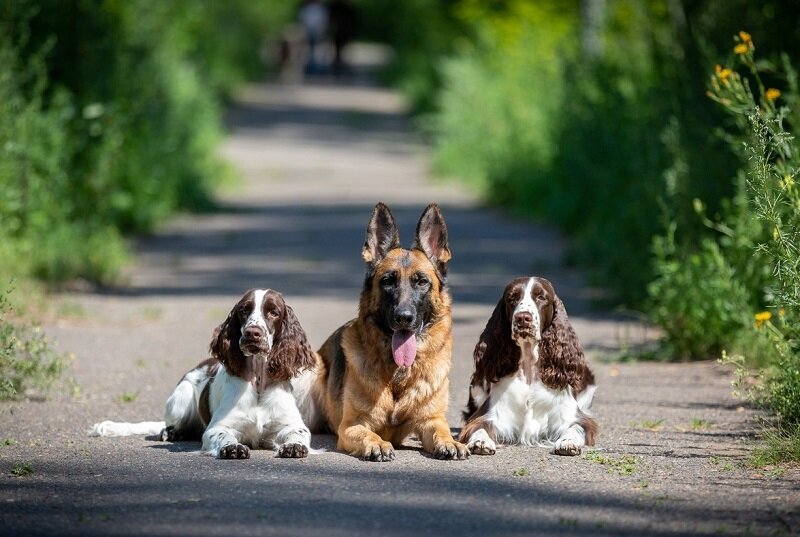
(561, 359)
(224, 344)
(496, 355)
(291, 352)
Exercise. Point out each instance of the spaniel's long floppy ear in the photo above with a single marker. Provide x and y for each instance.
(431, 237)
(291, 353)
(382, 236)
(225, 342)
(561, 358)
(496, 354)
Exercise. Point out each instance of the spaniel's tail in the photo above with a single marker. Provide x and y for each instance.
(121, 428)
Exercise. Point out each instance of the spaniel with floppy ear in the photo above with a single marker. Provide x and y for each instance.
(240, 398)
(531, 383)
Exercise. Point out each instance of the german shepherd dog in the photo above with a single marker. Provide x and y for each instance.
(384, 375)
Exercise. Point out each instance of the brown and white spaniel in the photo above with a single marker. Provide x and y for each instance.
(531, 384)
(241, 397)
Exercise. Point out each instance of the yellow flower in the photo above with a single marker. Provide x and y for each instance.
(724, 74)
(745, 37)
(781, 312)
(741, 48)
(772, 94)
(762, 317)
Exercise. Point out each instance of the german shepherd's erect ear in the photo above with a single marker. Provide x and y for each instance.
(382, 236)
(432, 238)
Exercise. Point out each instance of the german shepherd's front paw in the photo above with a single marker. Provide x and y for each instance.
(293, 451)
(234, 451)
(379, 452)
(451, 450)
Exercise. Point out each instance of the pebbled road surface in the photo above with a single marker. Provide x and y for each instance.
(315, 159)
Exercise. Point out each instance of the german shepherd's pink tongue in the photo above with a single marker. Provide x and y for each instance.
(404, 347)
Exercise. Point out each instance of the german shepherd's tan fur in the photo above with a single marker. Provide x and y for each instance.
(357, 390)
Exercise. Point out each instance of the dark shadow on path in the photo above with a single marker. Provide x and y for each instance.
(315, 251)
(291, 497)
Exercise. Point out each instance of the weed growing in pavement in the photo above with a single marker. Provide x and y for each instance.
(521, 472)
(650, 425)
(128, 397)
(8, 442)
(699, 424)
(22, 469)
(780, 445)
(624, 465)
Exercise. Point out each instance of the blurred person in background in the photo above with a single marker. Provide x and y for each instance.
(314, 18)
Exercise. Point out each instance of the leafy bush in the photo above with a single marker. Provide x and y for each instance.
(698, 299)
(489, 129)
(38, 236)
(764, 286)
(579, 139)
(109, 122)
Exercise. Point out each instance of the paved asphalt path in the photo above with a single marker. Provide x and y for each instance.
(315, 159)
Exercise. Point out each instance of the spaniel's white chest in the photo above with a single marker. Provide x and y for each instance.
(237, 403)
(530, 413)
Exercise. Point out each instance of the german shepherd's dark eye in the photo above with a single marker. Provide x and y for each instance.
(389, 280)
(421, 281)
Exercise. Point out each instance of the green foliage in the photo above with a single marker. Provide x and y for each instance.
(488, 129)
(22, 469)
(109, 122)
(580, 140)
(521, 472)
(35, 154)
(27, 361)
(780, 446)
(774, 169)
(422, 32)
(772, 159)
(699, 320)
(623, 465)
(226, 41)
